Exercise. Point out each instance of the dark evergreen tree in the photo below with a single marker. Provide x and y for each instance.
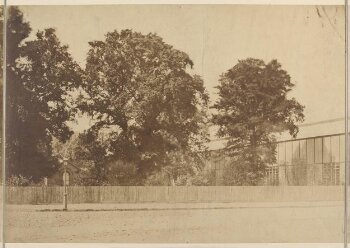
(40, 75)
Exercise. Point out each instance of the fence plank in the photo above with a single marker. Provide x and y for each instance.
(163, 194)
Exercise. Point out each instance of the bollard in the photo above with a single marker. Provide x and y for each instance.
(65, 183)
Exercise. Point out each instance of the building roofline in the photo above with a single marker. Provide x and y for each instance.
(282, 141)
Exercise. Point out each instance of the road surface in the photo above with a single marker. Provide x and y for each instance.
(320, 222)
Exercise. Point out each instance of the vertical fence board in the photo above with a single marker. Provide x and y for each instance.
(180, 194)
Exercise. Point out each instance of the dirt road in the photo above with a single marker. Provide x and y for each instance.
(234, 223)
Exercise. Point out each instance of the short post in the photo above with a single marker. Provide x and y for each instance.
(65, 179)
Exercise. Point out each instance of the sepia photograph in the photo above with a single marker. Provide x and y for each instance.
(177, 124)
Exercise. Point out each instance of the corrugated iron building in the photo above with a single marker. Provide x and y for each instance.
(316, 160)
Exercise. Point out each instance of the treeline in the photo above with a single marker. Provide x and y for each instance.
(149, 113)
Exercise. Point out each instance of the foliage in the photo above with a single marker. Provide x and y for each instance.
(204, 178)
(40, 76)
(48, 70)
(182, 168)
(86, 154)
(121, 173)
(252, 107)
(143, 99)
(158, 178)
(239, 172)
(19, 181)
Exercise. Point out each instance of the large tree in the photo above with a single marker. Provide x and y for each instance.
(253, 106)
(141, 92)
(40, 76)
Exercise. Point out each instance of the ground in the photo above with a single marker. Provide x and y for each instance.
(179, 223)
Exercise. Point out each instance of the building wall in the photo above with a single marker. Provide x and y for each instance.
(310, 161)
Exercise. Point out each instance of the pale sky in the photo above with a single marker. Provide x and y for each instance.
(309, 47)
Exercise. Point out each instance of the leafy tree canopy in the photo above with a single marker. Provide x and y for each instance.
(139, 90)
(40, 76)
(253, 106)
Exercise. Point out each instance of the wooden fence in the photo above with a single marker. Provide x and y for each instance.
(176, 194)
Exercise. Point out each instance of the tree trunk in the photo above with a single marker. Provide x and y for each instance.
(171, 180)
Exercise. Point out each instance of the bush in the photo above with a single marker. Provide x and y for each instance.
(19, 180)
(158, 179)
(204, 178)
(241, 173)
(121, 173)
